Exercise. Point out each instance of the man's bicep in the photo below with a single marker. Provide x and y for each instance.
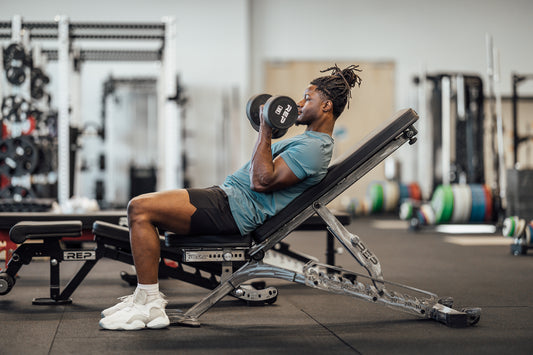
(284, 176)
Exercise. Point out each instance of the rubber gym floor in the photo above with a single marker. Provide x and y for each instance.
(476, 270)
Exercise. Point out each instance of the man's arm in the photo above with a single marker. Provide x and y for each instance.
(267, 174)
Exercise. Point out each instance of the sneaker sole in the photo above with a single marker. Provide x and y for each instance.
(158, 323)
(135, 325)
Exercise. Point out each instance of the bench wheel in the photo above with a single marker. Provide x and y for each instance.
(6, 283)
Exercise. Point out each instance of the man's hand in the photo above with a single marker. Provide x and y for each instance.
(267, 174)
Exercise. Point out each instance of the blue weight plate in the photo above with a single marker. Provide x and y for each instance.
(478, 203)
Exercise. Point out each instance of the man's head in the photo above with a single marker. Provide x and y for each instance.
(337, 86)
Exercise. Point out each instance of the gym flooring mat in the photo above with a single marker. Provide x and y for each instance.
(303, 320)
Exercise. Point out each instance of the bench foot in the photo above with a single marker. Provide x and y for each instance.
(177, 317)
(44, 301)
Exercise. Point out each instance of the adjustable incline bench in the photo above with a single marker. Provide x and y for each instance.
(342, 173)
(263, 254)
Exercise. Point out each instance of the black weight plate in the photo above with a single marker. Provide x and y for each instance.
(26, 156)
(17, 193)
(7, 163)
(278, 133)
(280, 112)
(15, 76)
(252, 109)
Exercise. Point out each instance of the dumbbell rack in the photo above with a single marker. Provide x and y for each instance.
(69, 53)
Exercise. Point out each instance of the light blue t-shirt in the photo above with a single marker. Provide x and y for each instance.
(307, 155)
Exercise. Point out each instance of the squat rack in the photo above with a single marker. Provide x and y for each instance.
(69, 57)
(518, 139)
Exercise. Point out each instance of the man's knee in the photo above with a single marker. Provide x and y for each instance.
(138, 207)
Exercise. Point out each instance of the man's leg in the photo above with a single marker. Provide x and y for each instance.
(170, 210)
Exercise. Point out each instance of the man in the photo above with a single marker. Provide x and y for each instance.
(276, 174)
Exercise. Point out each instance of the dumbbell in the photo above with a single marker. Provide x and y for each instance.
(279, 112)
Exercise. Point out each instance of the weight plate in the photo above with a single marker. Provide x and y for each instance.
(16, 193)
(252, 109)
(429, 214)
(18, 156)
(509, 225)
(415, 192)
(354, 207)
(488, 204)
(462, 203)
(442, 203)
(421, 218)
(7, 163)
(404, 192)
(15, 75)
(529, 233)
(278, 133)
(406, 210)
(280, 112)
(376, 196)
(520, 228)
(392, 196)
(477, 213)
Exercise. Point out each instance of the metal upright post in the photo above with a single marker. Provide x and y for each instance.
(499, 129)
(170, 147)
(16, 27)
(63, 125)
(425, 147)
(446, 129)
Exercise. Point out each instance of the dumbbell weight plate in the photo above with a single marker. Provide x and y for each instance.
(280, 112)
(252, 109)
(278, 133)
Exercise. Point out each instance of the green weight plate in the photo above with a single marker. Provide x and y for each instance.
(509, 225)
(376, 196)
(442, 203)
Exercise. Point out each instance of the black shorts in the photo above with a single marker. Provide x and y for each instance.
(213, 215)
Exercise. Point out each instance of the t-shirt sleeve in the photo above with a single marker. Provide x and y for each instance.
(305, 158)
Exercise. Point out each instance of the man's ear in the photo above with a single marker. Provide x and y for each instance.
(327, 106)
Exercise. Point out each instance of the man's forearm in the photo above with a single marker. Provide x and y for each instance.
(262, 166)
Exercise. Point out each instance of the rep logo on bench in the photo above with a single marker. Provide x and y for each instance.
(77, 255)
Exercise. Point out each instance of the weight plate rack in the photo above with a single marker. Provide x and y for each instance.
(59, 36)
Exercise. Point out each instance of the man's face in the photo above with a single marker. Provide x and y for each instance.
(310, 106)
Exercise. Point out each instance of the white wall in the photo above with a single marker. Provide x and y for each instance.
(438, 35)
(223, 45)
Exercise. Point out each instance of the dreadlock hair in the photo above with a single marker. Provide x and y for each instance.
(337, 86)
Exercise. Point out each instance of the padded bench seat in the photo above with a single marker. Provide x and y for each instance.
(42, 230)
(207, 241)
(121, 233)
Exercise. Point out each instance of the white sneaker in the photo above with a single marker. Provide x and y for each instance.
(138, 314)
(126, 301)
